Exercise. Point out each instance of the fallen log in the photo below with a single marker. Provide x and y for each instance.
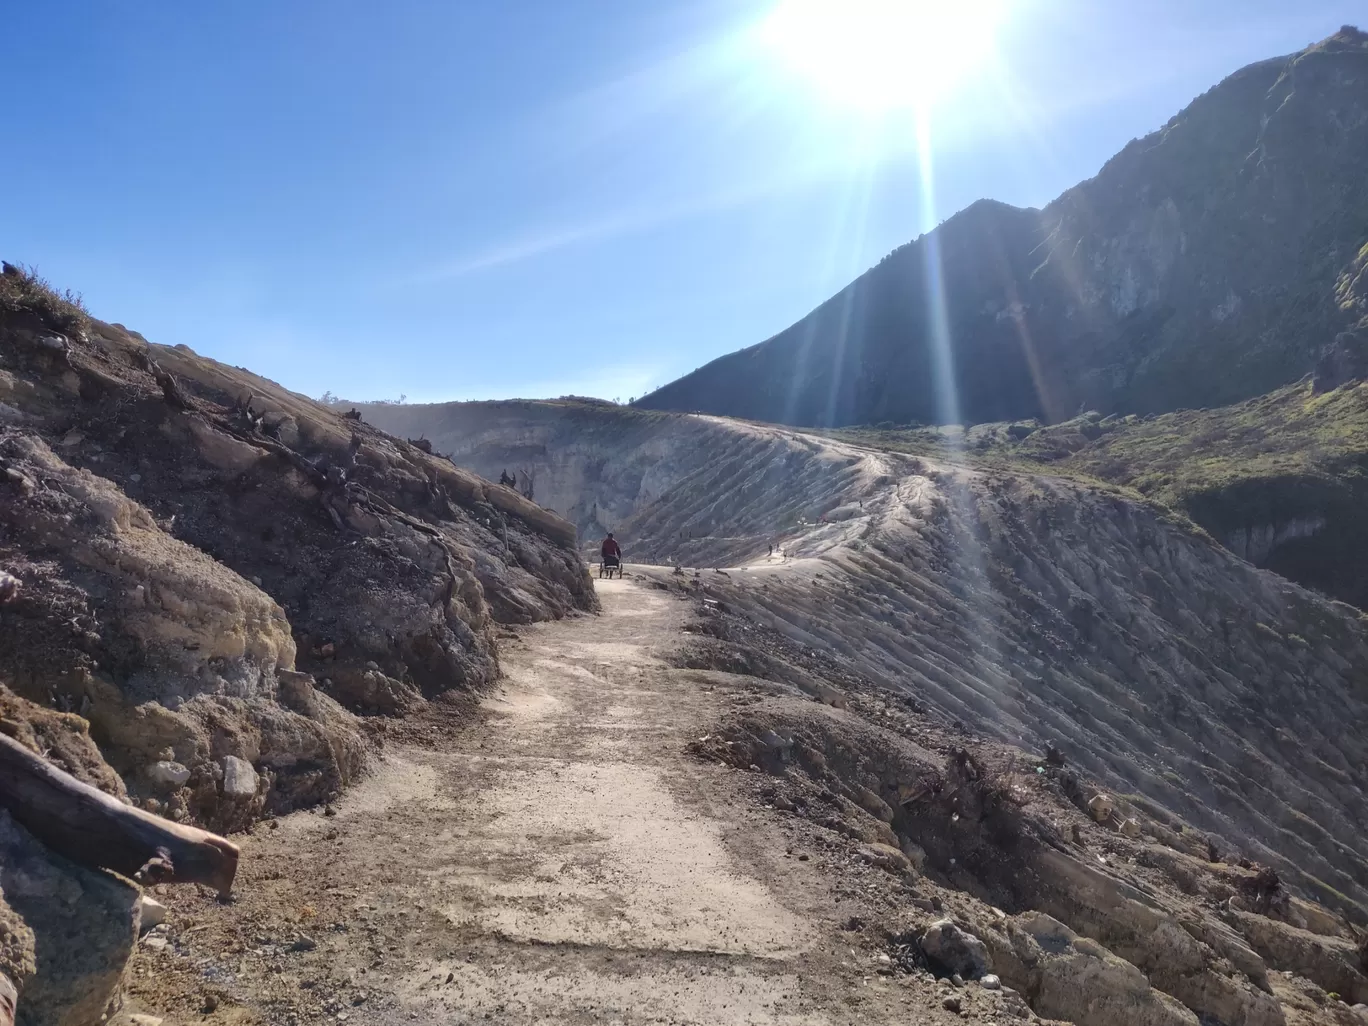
(96, 830)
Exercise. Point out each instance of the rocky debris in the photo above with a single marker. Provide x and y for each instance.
(1161, 926)
(954, 950)
(1074, 978)
(1330, 962)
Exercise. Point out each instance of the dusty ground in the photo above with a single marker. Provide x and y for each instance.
(560, 860)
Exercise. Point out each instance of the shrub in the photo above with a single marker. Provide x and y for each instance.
(23, 291)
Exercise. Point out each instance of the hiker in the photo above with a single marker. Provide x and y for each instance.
(610, 550)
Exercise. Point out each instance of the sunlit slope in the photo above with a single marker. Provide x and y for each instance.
(1202, 265)
(1035, 608)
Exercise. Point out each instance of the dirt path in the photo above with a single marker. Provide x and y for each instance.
(561, 861)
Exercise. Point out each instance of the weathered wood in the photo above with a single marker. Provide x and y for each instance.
(93, 829)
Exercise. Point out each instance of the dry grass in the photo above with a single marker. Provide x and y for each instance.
(24, 291)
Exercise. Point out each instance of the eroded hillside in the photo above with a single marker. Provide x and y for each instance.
(217, 575)
(1036, 609)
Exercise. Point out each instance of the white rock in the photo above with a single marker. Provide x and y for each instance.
(239, 779)
(144, 1020)
(153, 912)
(990, 982)
(1101, 807)
(168, 774)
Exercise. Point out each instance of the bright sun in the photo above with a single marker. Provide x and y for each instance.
(883, 55)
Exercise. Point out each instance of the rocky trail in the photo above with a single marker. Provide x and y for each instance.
(562, 859)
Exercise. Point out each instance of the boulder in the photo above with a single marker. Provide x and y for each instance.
(953, 950)
(167, 776)
(239, 778)
(1101, 807)
(84, 926)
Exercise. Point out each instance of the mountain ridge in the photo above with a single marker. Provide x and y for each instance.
(1198, 267)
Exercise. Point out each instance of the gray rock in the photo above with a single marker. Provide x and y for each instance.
(84, 929)
(239, 778)
(167, 775)
(954, 950)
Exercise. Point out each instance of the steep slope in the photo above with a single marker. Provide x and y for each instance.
(1038, 610)
(207, 547)
(217, 575)
(1200, 267)
(1278, 479)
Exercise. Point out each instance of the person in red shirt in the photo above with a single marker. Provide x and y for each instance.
(611, 550)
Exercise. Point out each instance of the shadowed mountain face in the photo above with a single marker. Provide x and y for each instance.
(1204, 264)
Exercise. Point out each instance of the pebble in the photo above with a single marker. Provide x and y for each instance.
(153, 913)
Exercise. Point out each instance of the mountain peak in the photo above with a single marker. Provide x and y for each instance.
(1198, 268)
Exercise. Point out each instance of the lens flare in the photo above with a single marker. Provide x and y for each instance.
(883, 55)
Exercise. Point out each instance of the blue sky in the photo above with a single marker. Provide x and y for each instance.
(471, 199)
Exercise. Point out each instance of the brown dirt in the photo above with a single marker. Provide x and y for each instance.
(563, 859)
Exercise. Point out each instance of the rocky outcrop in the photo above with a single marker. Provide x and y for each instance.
(198, 648)
(82, 924)
(204, 579)
(1089, 922)
(1343, 362)
(217, 573)
(1204, 263)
